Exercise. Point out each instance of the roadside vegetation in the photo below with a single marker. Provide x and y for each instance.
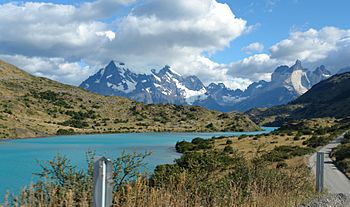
(341, 154)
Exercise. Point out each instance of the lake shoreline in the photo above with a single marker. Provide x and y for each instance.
(78, 134)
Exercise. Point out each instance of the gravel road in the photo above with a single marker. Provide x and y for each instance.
(335, 181)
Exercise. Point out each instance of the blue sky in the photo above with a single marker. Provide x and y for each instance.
(231, 41)
(275, 19)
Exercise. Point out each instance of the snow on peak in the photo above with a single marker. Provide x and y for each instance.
(296, 81)
(190, 95)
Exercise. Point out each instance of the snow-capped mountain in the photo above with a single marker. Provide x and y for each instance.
(112, 80)
(167, 86)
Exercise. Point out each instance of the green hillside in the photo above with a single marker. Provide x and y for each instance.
(31, 106)
(329, 98)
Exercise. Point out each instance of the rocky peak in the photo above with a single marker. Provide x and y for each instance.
(112, 68)
(297, 66)
(322, 71)
(166, 70)
(319, 74)
(192, 82)
(213, 87)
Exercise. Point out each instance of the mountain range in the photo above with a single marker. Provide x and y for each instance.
(167, 86)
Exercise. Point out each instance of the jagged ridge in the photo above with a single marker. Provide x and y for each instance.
(167, 86)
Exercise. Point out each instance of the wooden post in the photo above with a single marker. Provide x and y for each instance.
(103, 182)
(319, 171)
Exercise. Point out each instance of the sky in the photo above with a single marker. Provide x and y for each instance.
(235, 42)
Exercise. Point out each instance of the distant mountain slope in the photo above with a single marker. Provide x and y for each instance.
(166, 86)
(329, 98)
(31, 106)
(287, 84)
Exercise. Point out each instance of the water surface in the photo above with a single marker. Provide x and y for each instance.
(19, 157)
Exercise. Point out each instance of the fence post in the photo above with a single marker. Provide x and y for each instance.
(103, 182)
(319, 171)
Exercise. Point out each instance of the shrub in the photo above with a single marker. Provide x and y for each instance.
(342, 152)
(229, 141)
(76, 123)
(210, 126)
(346, 138)
(52, 97)
(228, 149)
(65, 132)
(195, 144)
(296, 138)
(183, 146)
(8, 111)
(342, 156)
(316, 141)
(281, 153)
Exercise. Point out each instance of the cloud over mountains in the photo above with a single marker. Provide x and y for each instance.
(69, 42)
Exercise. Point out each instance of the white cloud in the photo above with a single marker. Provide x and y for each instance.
(255, 67)
(195, 27)
(253, 47)
(329, 46)
(313, 47)
(54, 68)
(101, 8)
(109, 34)
(154, 33)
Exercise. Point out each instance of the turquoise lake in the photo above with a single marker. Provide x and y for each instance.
(19, 157)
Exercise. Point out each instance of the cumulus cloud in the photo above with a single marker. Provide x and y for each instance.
(178, 31)
(48, 30)
(253, 47)
(100, 8)
(329, 46)
(154, 33)
(53, 68)
(255, 67)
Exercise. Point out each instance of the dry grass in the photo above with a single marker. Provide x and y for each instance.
(251, 144)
